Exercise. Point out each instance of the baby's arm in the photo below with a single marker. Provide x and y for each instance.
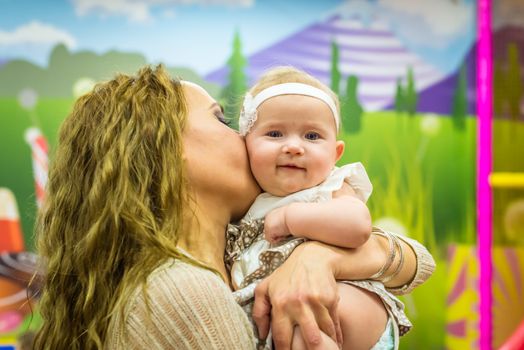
(344, 221)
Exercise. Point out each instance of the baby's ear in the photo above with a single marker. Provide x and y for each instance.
(340, 149)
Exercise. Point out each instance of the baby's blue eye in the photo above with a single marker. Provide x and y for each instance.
(274, 133)
(312, 136)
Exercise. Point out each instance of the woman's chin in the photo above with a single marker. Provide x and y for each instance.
(245, 198)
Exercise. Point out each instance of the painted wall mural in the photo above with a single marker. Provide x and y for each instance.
(404, 71)
(508, 133)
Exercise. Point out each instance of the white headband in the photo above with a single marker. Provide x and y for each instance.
(248, 116)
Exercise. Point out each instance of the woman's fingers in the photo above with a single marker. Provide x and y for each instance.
(338, 329)
(310, 331)
(262, 309)
(282, 331)
(324, 304)
(326, 322)
(282, 326)
(302, 293)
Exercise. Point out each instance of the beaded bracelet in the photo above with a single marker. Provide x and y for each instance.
(391, 253)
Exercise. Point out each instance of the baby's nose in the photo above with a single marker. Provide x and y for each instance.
(293, 148)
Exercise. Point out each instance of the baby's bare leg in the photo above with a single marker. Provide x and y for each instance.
(363, 317)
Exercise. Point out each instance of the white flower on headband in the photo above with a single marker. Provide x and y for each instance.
(248, 115)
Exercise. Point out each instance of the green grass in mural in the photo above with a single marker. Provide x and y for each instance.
(422, 170)
(425, 308)
(508, 146)
(15, 154)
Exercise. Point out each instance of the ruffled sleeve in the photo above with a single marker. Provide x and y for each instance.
(353, 174)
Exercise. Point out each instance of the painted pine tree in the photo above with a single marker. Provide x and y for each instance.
(499, 88)
(411, 96)
(400, 103)
(513, 82)
(460, 100)
(335, 72)
(351, 110)
(237, 85)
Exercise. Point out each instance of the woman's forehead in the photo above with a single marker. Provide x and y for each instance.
(195, 90)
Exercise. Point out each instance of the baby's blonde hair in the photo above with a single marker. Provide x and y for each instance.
(288, 74)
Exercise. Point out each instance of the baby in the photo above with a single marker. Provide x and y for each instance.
(290, 121)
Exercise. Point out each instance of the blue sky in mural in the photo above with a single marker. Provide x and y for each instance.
(198, 33)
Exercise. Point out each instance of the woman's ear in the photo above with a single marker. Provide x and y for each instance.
(340, 149)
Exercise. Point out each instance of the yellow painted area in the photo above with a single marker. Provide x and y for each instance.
(506, 180)
(464, 307)
(8, 341)
(508, 294)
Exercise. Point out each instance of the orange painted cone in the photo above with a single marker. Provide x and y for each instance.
(11, 238)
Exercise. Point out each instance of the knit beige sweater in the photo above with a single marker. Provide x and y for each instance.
(189, 308)
(192, 308)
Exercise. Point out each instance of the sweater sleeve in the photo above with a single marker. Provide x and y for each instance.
(187, 308)
(425, 267)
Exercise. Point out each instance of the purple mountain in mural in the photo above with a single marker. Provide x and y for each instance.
(443, 91)
(372, 53)
(438, 98)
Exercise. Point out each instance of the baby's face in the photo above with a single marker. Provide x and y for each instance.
(293, 144)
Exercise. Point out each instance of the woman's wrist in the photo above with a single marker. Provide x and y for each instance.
(359, 263)
(349, 263)
(404, 264)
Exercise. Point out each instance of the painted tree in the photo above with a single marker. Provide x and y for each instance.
(351, 110)
(400, 103)
(499, 96)
(335, 72)
(513, 82)
(460, 100)
(237, 85)
(411, 96)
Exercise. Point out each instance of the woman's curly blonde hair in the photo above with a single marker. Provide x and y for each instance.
(114, 207)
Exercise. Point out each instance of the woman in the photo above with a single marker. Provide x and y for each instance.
(145, 179)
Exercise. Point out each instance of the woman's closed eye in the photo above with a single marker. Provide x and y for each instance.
(312, 136)
(274, 133)
(221, 118)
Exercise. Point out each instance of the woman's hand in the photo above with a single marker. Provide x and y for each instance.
(302, 292)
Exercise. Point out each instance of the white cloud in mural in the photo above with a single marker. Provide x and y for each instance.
(36, 33)
(508, 12)
(140, 10)
(135, 11)
(429, 23)
(436, 21)
(170, 14)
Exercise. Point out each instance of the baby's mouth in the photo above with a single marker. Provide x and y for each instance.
(290, 167)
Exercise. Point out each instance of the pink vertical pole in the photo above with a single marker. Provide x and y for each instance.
(484, 167)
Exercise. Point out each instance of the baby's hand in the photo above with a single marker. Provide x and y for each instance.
(275, 227)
